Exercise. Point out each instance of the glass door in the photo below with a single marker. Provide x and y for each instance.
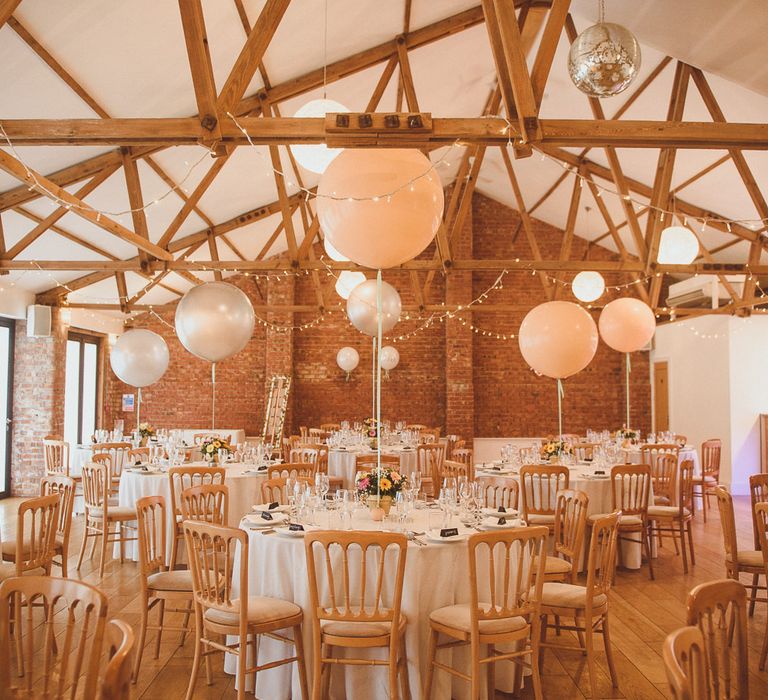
(81, 388)
(6, 403)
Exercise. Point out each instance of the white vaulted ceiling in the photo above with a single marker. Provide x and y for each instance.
(131, 58)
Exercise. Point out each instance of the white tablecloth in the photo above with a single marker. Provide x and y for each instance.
(435, 576)
(343, 463)
(244, 491)
(688, 452)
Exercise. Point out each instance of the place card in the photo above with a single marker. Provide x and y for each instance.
(502, 521)
(266, 515)
(296, 527)
(273, 505)
(449, 532)
(502, 509)
(599, 471)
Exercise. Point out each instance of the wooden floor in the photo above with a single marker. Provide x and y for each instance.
(642, 613)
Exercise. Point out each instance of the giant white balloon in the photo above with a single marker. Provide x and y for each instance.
(389, 357)
(214, 320)
(316, 157)
(139, 357)
(347, 281)
(558, 339)
(347, 359)
(362, 307)
(627, 324)
(366, 225)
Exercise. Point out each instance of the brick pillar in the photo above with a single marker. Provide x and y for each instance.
(38, 401)
(279, 344)
(459, 384)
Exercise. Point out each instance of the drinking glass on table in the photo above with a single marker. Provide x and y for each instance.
(322, 485)
(416, 481)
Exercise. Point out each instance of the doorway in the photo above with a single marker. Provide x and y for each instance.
(81, 388)
(660, 396)
(7, 327)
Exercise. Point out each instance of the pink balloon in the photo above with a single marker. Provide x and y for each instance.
(392, 230)
(558, 339)
(627, 324)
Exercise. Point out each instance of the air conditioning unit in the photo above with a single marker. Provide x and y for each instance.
(38, 321)
(703, 292)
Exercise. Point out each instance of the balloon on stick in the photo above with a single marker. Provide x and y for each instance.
(347, 359)
(558, 339)
(380, 207)
(390, 358)
(362, 307)
(627, 325)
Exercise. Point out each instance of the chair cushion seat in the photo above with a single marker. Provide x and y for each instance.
(750, 558)
(555, 565)
(114, 512)
(661, 500)
(666, 512)
(261, 611)
(346, 628)
(630, 520)
(541, 519)
(566, 595)
(703, 478)
(459, 617)
(8, 570)
(170, 581)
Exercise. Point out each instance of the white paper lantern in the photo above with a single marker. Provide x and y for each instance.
(333, 254)
(678, 246)
(347, 281)
(347, 359)
(316, 157)
(588, 286)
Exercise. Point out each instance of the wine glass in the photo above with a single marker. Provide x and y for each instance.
(416, 481)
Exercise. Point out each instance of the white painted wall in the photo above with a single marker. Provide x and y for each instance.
(14, 301)
(699, 380)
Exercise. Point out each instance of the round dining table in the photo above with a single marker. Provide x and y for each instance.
(244, 482)
(342, 462)
(436, 575)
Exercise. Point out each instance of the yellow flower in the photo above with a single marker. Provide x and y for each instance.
(209, 449)
(385, 484)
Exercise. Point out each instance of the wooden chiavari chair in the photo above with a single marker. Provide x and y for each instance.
(584, 451)
(570, 525)
(450, 444)
(208, 503)
(65, 487)
(211, 552)
(304, 431)
(158, 584)
(330, 427)
(718, 609)
(291, 443)
(463, 456)
(539, 484)
(758, 491)
(74, 615)
(100, 515)
(317, 455)
(761, 516)
(181, 478)
(630, 493)
(56, 457)
(318, 435)
(704, 484)
(507, 614)
(587, 605)
(674, 520)
(680, 439)
(664, 475)
(499, 491)
(369, 462)
(356, 620)
(429, 436)
(457, 470)
(273, 490)
(460, 444)
(197, 438)
(651, 452)
(307, 470)
(116, 684)
(118, 454)
(138, 455)
(685, 660)
(416, 426)
(738, 561)
(429, 460)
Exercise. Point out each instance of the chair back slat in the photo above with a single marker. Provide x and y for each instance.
(38, 520)
(684, 496)
(65, 487)
(727, 523)
(570, 524)
(96, 486)
(710, 458)
(181, 478)
(118, 453)
(151, 534)
(273, 490)
(500, 492)
(506, 569)
(429, 459)
(718, 609)
(457, 470)
(602, 554)
(283, 471)
(56, 457)
(685, 660)
(74, 616)
(337, 560)
(664, 475)
(314, 454)
(207, 502)
(651, 452)
(463, 455)
(631, 488)
(539, 484)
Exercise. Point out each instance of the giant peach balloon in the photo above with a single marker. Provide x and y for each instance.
(627, 324)
(362, 307)
(400, 210)
(558, 339)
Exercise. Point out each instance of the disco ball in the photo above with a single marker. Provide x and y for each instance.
(604, 59)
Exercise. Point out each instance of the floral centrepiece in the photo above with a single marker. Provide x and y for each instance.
(379, 486)
(372, 431)
(555, 448)
(628, 436)
(212, 445)
(146, 430)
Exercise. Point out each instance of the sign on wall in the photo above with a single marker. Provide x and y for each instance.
(128, 402)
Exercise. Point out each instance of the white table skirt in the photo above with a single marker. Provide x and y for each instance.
(244, 492)
(435, 576)
(343, 463)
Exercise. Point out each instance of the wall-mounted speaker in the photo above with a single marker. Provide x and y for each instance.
(38, 321)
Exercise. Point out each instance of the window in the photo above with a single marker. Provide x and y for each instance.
(81, 388)
(6, 403)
